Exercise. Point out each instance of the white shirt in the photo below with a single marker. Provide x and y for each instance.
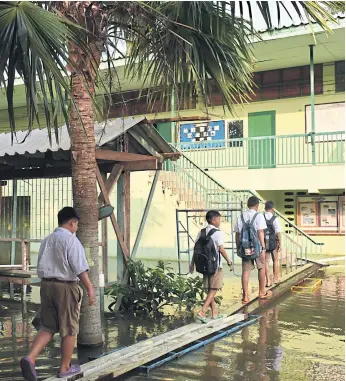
(259, 223)
(218, 238)
(276, 223)
(61, 256)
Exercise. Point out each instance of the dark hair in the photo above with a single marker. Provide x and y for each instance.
(269, 205)
(252, 201)
(211, 214)
(67, 214)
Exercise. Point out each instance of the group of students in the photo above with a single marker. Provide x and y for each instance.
(258, 240)
(62, 266)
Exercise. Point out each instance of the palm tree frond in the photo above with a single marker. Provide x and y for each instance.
(34, 47)
(189, 44)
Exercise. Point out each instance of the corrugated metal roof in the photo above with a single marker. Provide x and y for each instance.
(294, 23)
(37, 141)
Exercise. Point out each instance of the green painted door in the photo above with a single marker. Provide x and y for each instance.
(261, 152)
(166, 131)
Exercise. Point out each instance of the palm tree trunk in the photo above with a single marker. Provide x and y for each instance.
(83, 154)
(85, 201)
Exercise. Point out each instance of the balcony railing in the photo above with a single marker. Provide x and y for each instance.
(267, 151)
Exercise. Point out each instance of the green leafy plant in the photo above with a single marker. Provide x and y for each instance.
(155, 288)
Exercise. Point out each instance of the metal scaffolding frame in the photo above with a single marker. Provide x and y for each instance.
(183, 217)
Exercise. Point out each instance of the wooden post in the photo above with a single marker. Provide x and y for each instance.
(104, 234)
(123, 217)
(127, 212)
(116, 227)
(123, 214)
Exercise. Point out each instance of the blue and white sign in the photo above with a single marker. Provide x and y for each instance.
(206, 134)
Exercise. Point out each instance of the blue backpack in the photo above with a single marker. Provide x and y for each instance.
(249, 245)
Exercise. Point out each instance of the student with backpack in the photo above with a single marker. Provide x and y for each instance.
(249, 238)
(207, 261)
(272, 238)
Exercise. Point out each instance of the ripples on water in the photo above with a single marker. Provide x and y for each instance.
(300, 338)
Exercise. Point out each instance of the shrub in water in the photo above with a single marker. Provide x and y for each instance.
(155, 288)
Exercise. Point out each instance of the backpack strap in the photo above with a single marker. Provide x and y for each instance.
(212, 231)
(253, 218)
(242, 219)
(272, 219)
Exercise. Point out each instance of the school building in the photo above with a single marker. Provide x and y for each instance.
(286, 145)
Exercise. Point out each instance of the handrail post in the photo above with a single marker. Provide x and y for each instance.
(312, 99)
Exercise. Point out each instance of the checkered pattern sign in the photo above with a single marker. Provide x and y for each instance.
(202, 132)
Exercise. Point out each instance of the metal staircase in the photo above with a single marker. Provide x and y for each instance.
(198, 191)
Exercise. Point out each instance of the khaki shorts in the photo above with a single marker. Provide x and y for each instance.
(60, 307)
(249, 264)
(273, 254)
(213, 282)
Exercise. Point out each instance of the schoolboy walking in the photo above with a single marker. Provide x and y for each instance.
(61, 264)
(209, 249)
(249, 237)
(272, 238)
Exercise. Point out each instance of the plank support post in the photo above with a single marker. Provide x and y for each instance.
(104, 235)
(116, 228)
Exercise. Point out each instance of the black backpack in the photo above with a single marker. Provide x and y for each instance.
(205, 256)
(270, 238)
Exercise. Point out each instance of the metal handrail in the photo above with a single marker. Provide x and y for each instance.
(206, 174)
(272, 137)
(285, 219)
(238, 198)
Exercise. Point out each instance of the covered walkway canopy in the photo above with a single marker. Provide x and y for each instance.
(133, 142)
(123, 145)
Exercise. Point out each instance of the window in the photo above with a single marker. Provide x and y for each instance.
(291, 82)
(321, 214)
(280, 83)
(340, 76)
(270, 84)
(236, 131)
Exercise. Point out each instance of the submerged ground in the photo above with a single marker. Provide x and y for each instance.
(300, 337)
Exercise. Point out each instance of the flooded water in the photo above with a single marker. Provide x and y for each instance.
(299, 338)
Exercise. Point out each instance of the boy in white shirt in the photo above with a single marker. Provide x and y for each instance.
(248, 264)
(213, 283)
(274, 254)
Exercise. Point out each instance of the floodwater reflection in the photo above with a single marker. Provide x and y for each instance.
(299, 338)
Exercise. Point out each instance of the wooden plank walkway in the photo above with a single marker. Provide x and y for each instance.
(129, 358)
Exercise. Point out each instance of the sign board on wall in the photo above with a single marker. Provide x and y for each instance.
(324, 214)
(308, 214)
(208, 134)
(329, 117)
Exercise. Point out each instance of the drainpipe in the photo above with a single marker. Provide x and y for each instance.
(312, 100)
(173, 132)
